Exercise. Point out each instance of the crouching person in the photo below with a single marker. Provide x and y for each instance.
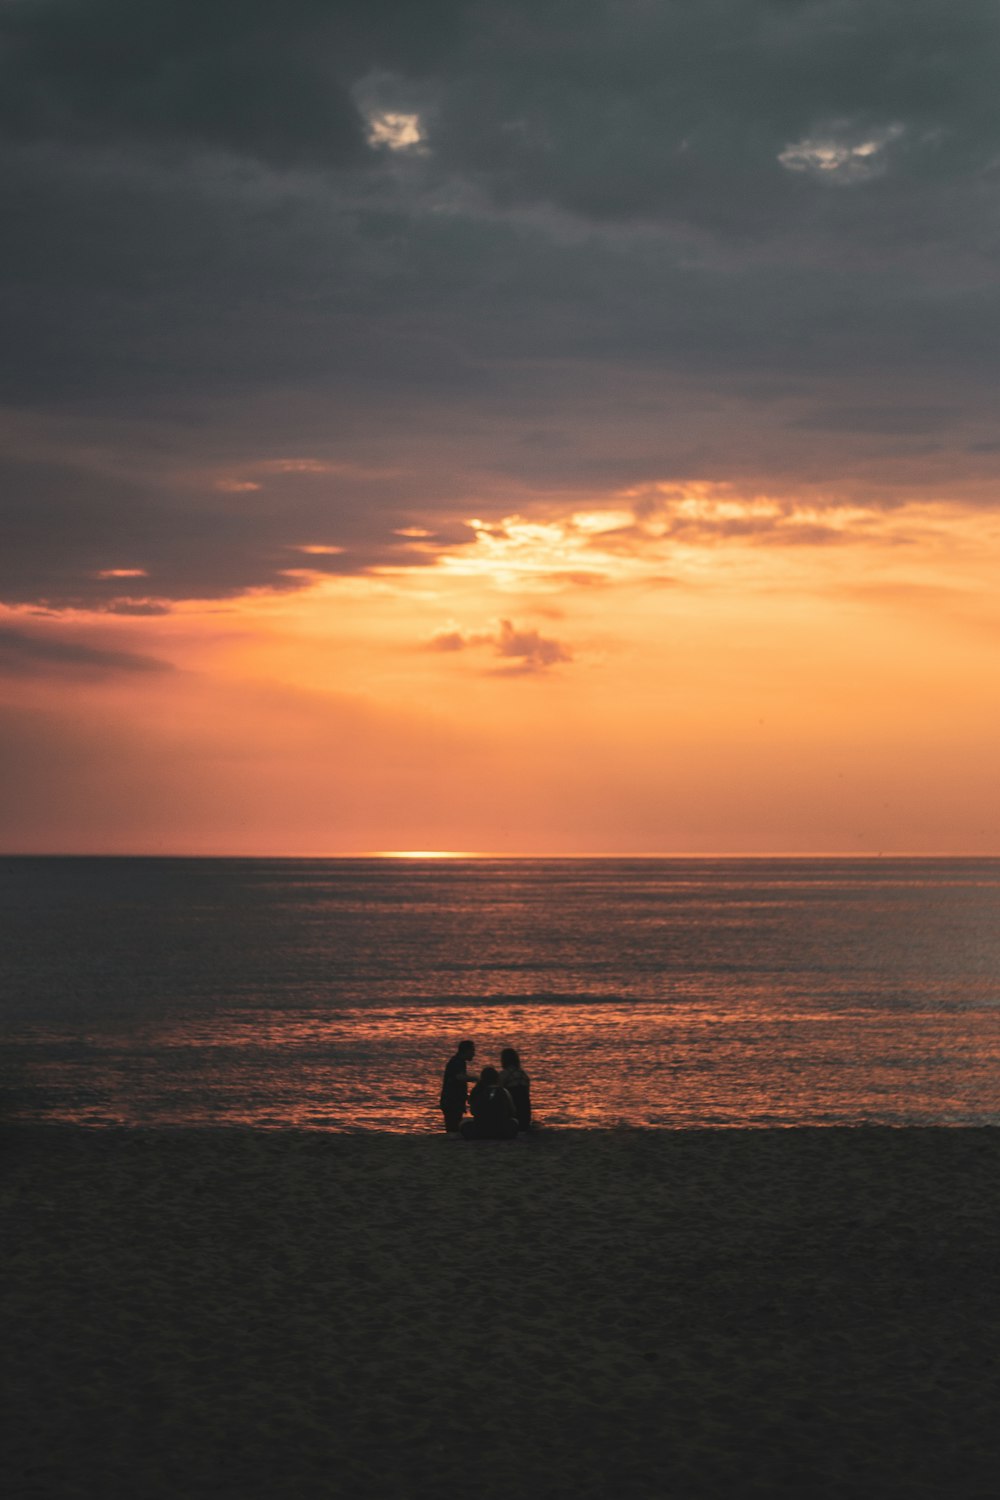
(493, 1115)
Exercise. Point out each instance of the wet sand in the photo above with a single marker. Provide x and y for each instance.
(802, 1313)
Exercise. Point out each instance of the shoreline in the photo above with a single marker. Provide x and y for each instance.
(630, 1312)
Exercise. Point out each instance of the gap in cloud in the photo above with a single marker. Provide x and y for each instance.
(398, 132)
(393, 116)
(842, 154)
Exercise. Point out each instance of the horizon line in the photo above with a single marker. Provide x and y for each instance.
(456, 855)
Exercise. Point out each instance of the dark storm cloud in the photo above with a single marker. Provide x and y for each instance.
(265, 79)
(732, 240)
(684, 110)
(78, 538)
(610, 107)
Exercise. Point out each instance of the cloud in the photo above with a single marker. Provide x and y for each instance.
(523, 651)
(580, 578)
(448, 640)
(398, 132)
(704, 515)
(633, 109)
(188, 540)
(23, 653)
(613, 253)
(841, 154)
(879, 419)
(644, 112)
(530, 651)
(204, 74)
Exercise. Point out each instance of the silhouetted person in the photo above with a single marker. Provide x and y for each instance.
(454, 1086)
(493, 1117)
(518, 1085)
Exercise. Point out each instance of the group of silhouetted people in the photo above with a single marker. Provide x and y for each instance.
(499, 1105)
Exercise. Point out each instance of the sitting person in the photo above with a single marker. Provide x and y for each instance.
(518, 1085)
(493, 1115)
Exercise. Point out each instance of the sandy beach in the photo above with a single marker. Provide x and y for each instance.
(626, 1313)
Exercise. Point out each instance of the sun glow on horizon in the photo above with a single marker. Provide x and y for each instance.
(425, 854)
(674, 670)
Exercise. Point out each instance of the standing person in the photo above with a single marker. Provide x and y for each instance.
(454, 1086)
(518, 1085)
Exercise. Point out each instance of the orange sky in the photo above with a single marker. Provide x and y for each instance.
(724, 674)
(448, 428)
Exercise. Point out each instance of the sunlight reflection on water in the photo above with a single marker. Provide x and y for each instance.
(591, 1065)
(661, 993)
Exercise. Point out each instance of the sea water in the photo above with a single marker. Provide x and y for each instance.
(671, 993)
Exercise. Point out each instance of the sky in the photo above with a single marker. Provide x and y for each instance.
(525, 426)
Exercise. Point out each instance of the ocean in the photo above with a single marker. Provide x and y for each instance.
(668, 993)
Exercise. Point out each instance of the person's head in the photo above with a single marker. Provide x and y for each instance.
(489, 1075)
(467, 1049)
(509, 1058)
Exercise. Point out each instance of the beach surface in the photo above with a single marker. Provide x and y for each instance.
(240, 1313)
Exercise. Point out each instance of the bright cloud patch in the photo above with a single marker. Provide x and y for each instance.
(663, 523)
(834, 156)
(397, 131)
